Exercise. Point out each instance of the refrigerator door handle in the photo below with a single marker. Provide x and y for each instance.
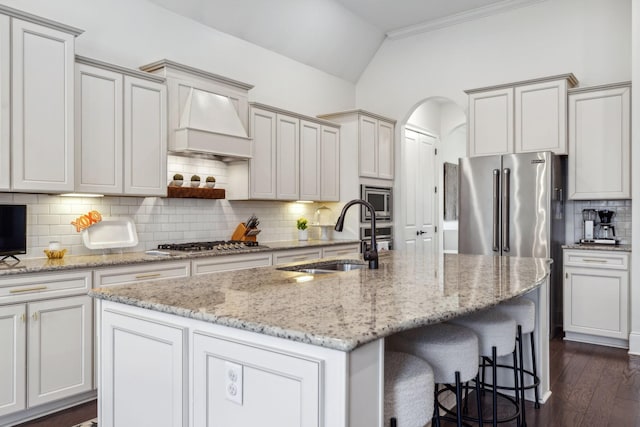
(496, 210)
(506, 190)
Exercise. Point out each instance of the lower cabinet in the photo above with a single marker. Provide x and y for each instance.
(340, 250)
(239, 384)
(47, 351)
(296, 255)
(141, 273)
(596, 297)
(230, 262)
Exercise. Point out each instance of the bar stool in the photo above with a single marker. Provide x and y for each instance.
(408, 388)
(452, 352)
(496, 337)
(523, 311)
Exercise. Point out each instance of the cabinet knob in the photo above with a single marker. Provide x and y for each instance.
(34, 316)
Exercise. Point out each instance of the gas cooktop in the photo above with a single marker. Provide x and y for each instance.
(217, 245)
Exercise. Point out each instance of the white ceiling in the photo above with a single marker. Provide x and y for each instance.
(337, 36)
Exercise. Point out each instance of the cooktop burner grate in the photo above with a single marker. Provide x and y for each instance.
(221, 245)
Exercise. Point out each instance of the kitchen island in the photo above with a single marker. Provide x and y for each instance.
(279, 348)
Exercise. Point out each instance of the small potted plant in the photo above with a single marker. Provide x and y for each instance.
(303, 232)
(195, 181)
(210, 182)
(178, 179)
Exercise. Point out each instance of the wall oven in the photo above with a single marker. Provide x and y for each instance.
(384, 236)
(380, 198)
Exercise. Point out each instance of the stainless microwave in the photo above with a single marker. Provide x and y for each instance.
(381, 200)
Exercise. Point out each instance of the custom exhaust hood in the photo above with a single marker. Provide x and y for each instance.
(208, 113)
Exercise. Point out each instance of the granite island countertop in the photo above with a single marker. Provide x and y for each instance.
(99, 260)
(594, 247)
(341, 310)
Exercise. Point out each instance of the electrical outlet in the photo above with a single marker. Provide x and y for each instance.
(233, 382)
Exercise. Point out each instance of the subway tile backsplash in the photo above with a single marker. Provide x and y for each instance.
(621, 220)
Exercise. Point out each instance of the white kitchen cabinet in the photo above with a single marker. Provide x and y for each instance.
(528, 116)
(296, 255)
(46, 333)
(600, 142)
(262, 166)
(596, 297)
(319, 162)
(145, 137)
(60, 348)
(160, 355)
(230, 262)
(287, 157)
(42, 67)
(374, 136)
(99, 130)
(103, 122)
(273, 387)
(13, 359)
(148, 272)
(340, 250)
(5, 103)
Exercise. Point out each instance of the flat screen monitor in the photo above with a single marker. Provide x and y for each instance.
(13, 230)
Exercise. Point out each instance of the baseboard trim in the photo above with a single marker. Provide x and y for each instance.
(46, 409)
(634, 343)
(597, 340)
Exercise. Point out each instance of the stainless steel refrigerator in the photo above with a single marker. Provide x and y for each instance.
(512, 205)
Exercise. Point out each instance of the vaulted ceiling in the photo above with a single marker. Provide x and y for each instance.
(337, 36)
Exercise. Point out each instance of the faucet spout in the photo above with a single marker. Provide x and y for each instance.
(370, 254)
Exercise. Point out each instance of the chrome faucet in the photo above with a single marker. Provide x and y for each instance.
(370, 254)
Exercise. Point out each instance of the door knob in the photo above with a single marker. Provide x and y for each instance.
(418, 233)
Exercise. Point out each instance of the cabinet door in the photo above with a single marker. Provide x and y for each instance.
(599, 144)
(60, 348)
(5, 102)
(341, 250)
(310, 160)
(98, 146)
(541, 117)
(491, 122)
(330, 164)
(368, 147)
(596, 302)
(42, 108)
(385, 150)
(262, 166)
(145, 137)
(296, 255)
(272, 388)
(288, 160)
(145, 386)
(13, 367)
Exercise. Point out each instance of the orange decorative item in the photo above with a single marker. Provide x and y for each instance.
(87, 220)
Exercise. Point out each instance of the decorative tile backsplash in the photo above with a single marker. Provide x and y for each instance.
(621, 220)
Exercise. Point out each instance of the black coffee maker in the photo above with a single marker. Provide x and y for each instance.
(607, 230)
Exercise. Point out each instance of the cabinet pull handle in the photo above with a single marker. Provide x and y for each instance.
(594, 260)
(147, 276)
(35, 315)
(23, 317)
(35, 288)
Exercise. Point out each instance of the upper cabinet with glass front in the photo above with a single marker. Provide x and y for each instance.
(520, 117)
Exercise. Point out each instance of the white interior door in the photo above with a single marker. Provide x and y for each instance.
(419, 195)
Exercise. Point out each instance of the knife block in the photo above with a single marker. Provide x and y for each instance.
(239, 234)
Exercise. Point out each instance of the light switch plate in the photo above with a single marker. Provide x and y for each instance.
(233, 382)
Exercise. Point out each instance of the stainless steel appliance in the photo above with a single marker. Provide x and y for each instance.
(213, 246)
(381, 200)
(607, 232)
(589, 218)
(512, 205)
(384, 236)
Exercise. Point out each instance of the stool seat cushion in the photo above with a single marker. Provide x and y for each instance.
(447, 348)
(493, 328)
(408, 389)
(522, 310)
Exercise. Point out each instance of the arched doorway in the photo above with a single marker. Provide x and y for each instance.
(432, 139)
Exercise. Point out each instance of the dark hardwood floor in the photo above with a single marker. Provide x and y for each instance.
(591, 386)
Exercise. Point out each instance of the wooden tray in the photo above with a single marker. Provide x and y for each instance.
(195, 193)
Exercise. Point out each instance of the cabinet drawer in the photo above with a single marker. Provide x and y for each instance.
(597, 259)
(48, 285)
(340, 250)
(141, 273)
(230, 262)
(296, 255)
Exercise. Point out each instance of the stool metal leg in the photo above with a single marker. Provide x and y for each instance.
(522, 407)
(458, 399)
(519, 402)
(494, 379)
(478, 400)
(393, 423)
(436, 407)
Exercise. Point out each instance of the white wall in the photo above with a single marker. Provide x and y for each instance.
(591, 38)
(136, 32)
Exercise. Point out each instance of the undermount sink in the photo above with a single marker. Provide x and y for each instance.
(326, 267)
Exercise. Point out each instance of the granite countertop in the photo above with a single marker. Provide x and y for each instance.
(39, 265)
(588, 247)
(341, 310)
